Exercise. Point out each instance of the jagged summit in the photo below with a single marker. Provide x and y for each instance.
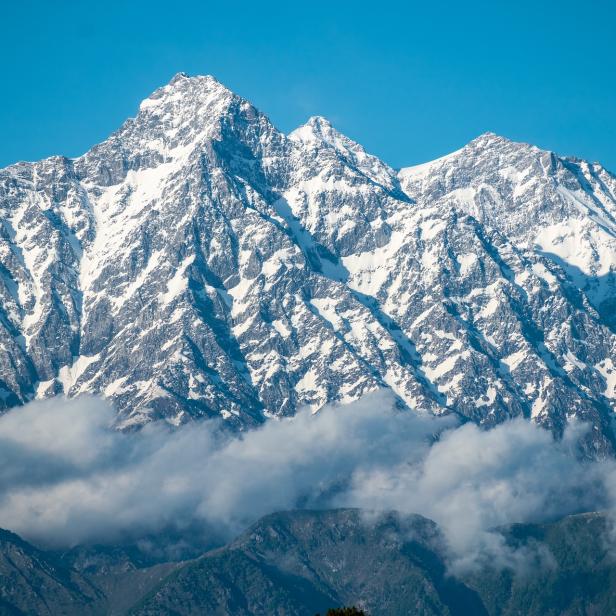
(492, 141)
(184, 91)
(319, 122)
(175, 123)
(316, 128)
(200, 263)
(490, 137)
(487, 141)
(319, 133)
(183, 80)
(179, 77)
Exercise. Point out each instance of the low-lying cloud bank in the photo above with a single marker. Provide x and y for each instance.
(67, 478)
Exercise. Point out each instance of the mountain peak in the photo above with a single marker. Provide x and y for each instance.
(174, 120)
(201, 80)
(184, 88)
(489, 136)
(491, 140)
(486, 141)
(319, 123)
(316, 130)
(178, 77)
(319, 132)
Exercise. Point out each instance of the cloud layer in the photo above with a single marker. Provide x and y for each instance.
(67, 478)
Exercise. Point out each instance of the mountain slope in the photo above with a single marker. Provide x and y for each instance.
(201, 263)
(303, 561)
(33, 582)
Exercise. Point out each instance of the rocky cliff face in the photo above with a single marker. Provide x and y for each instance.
(201, 263)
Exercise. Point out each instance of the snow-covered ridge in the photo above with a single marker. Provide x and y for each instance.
(201, 263)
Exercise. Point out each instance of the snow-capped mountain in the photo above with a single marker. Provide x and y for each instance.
(199, 262)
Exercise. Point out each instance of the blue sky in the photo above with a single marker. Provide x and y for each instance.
(410, 80)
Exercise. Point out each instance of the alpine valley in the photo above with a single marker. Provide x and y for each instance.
(200, 263)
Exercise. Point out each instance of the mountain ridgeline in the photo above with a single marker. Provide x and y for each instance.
(200, 263)
(301, 563)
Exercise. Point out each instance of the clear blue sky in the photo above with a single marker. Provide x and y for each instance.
(410, 80)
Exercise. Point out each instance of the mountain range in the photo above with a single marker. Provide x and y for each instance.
(301, 563)
(201, 263)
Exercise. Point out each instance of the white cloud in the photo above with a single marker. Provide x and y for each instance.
(67, 478)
